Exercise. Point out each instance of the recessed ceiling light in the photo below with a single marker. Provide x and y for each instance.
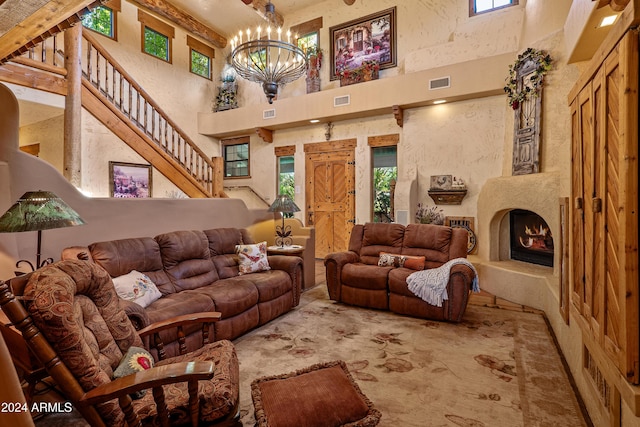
(439, 101)
(608, 20)
(314, 121)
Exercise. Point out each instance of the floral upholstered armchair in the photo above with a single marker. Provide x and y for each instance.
(72, 321)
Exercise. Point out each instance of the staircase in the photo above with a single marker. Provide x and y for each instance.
(111, 95)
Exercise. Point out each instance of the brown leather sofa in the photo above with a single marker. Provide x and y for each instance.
(354, 277)
(197, 271)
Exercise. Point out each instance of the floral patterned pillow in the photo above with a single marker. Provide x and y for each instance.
(252, 258)
(136, 287)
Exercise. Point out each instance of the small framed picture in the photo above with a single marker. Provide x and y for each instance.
(129, 180)
(441, 182)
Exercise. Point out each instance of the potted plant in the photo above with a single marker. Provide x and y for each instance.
(314, 62)
(314, 56)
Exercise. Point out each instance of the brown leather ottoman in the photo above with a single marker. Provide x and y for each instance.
(323, 395)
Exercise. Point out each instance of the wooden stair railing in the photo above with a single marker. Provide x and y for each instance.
(114, 98)
(106, 78)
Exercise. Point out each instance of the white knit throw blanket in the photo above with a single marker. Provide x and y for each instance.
(431, 284)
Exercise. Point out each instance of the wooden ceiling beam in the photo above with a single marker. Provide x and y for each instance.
(37, 21)
(184, 20)
(259, 7)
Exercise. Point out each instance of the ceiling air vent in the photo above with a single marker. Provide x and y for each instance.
(441, 83)
(269, 114)
(340, 101)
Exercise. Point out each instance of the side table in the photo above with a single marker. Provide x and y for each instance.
(292, 250)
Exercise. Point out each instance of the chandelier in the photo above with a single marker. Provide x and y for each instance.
(264, 56)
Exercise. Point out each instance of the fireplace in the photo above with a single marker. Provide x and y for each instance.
(531, 239)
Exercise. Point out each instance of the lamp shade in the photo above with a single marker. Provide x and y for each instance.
(284, 204)
(38, 210)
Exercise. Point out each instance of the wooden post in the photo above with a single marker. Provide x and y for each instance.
(218, 176)
(73, 106)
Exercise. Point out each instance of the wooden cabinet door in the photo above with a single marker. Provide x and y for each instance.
(580, 163)
(604, 213)
(330, 196)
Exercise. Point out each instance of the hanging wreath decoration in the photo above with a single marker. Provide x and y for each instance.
(514, 96)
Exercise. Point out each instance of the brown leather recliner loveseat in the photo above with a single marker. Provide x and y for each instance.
(197, 271)
(354, 277)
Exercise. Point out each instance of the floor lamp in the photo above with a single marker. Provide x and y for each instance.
(37, 211)
(283, 204)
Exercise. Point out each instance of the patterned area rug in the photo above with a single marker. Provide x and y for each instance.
(496, 368)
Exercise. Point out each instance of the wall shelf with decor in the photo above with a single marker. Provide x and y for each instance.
(447, 197)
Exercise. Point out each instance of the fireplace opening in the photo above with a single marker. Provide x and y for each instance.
(531, 239)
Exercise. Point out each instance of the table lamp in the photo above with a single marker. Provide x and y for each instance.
(283, 204)
(37, 211)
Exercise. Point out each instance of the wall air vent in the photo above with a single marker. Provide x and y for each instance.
(340, 101)
(269, 114)
(441, 83)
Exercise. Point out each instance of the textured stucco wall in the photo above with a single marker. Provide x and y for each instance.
(50, 135)
(469, 139)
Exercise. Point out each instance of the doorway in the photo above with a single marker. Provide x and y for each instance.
(330, 193)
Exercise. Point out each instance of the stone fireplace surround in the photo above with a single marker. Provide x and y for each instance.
(517, 281)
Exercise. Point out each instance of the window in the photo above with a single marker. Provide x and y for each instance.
(481, 6)
(385, 174)
(308, 34)
(156, 44)
(236, 157)
(309, 42)
(285, 170)
(384, 171)
(156, 36)
(102, 20)
(201, 56)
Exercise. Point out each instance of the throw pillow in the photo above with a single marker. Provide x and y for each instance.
(252, 258)
(135, 360)
(136, 287)
(412, 262)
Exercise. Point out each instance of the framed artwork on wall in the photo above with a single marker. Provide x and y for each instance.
(440, 182)
(129, 180)
(371, 38)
